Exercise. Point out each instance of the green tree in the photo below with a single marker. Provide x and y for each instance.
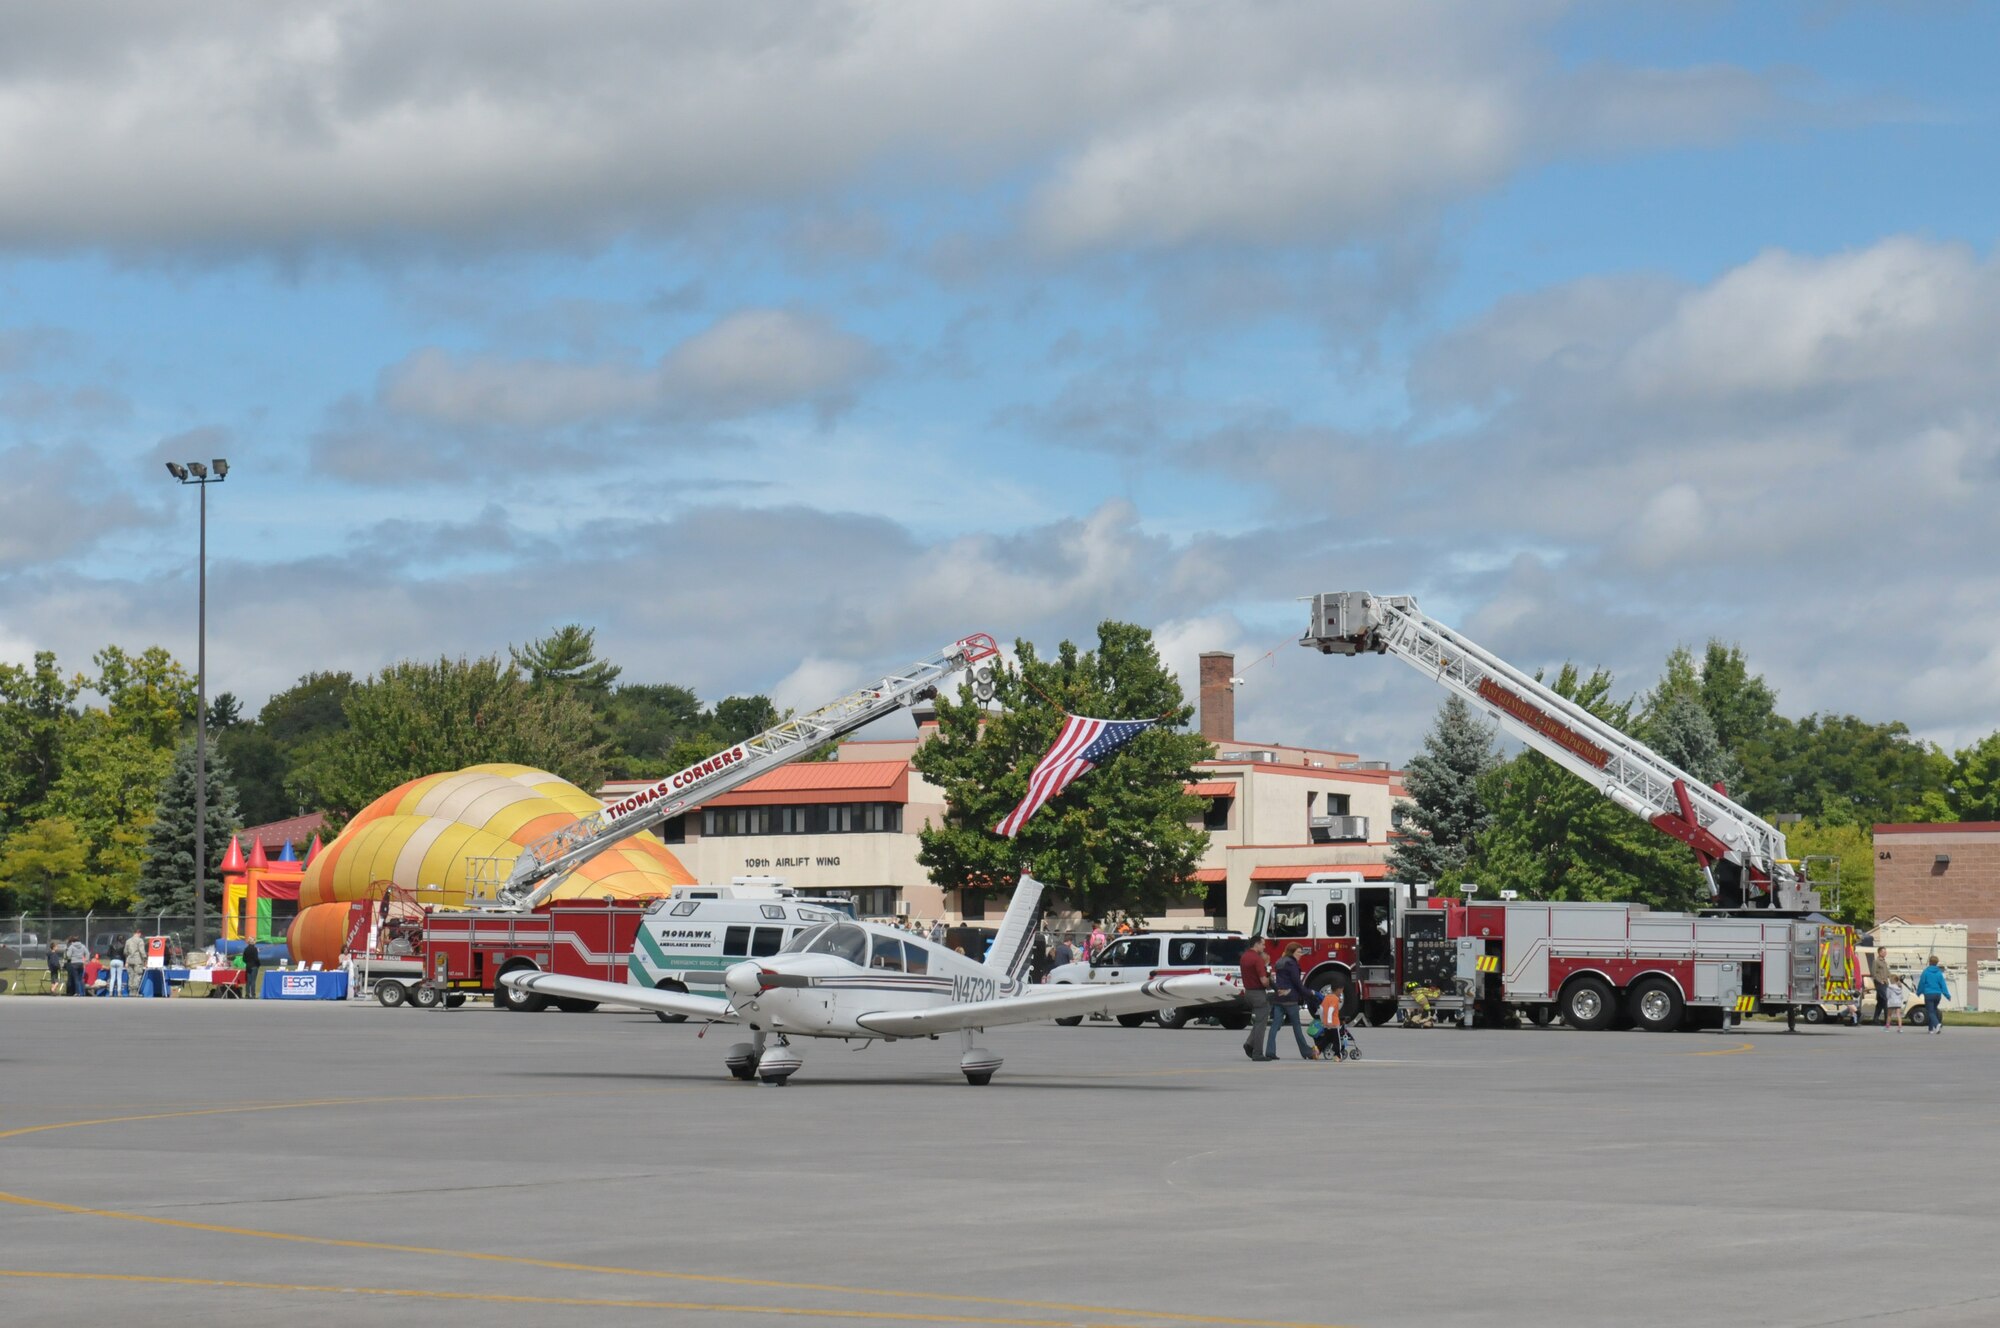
(740, 717)
(1840, 860)
(1441, 824)
(44, 866)
(1841, 769)
(310, 708)
(1739, 703)
(1974, 793)
(36, 705)
(149, 694)
(414, 719)
(1684, 734)
(1117, 840)
(108, 788)
(644, 720)
(224, 712)
(166, 881)
(568, 657)
(261, 768)
(1555, 836)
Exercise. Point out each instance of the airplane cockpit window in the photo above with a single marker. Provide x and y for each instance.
(800, 943)
(918, 958)
(842, 940)
(886, 952)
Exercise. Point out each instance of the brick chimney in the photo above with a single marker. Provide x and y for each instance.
(1218, 698)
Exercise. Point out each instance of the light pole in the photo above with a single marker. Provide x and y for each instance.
(194, 472)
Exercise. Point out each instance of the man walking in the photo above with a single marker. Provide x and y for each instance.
(1879, 974)
(1933, 988)
(1257, 990)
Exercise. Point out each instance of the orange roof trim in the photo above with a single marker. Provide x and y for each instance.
(1369, 871)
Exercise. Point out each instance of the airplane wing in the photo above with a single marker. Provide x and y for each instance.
(1053, 1003)
(620, 993)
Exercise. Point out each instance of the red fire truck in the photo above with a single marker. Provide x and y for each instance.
(1593, 965)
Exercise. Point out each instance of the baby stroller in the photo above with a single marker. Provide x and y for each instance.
(1334, 1042)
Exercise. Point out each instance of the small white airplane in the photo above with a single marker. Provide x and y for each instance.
(857, 980)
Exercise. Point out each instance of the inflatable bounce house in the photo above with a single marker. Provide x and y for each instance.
(417, 842)
(260, 894)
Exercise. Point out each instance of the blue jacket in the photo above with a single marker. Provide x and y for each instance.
(1932, 983)
(1288, 985)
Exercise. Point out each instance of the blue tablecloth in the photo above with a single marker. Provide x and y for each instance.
(297, 985)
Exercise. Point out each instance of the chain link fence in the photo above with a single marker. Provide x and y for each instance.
(25, 937)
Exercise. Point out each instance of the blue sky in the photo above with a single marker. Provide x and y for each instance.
(783, 344)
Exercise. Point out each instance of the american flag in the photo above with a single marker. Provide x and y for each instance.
(1083, 745)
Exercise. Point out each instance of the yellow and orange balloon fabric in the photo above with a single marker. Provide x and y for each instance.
(422, 834)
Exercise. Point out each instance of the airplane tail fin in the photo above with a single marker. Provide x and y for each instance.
(1014, 944)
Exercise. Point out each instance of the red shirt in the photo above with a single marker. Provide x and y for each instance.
(1256, 971)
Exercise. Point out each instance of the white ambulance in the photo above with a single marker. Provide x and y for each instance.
(688, 940)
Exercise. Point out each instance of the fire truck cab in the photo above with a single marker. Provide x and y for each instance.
(1351, 931)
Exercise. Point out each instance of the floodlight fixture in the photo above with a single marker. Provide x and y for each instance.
(200, 471)
(177, 470)
(221, 465)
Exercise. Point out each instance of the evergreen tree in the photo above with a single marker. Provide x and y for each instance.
(1684, 734)
(1441, 824)
(1118, 840)
(567, 656)
(166, 882)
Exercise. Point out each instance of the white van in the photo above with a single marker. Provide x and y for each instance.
(686, 943)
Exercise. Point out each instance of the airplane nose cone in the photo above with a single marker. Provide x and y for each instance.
(742, 982)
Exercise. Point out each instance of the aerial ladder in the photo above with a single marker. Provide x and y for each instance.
(1742, 856)
(520, 883)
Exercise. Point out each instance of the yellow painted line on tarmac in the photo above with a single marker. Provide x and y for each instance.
(566, 1302)
(557, 1265)
(1737, 1050)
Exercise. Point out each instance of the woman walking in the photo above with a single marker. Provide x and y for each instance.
(1288, 996)
(1933, 988)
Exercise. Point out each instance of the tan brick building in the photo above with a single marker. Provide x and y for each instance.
(1941, 873)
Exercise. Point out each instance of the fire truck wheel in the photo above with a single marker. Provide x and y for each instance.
(1586, 1003)
(1235, 1023)
(1175, 1017)
(1541, 1016)
(1656, 1005)
(390, 993)
(573, 1005)
(427, 998)
(454, 1000)
(507, 999)
(679, 988)
(1380, 1013)
(1813, 1014)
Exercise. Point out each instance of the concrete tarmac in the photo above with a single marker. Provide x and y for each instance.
(191, 1161)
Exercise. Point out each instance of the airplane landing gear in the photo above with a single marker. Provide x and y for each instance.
(976, 1063)
(778, 1063)
(743, 1056)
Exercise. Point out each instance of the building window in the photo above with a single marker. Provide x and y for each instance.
(1217, 816)
(840, 818)
(972, 905)
(674, 830)
(876, 901)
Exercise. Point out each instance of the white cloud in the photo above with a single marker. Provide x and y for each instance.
(292, 124)
(1802, 455)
